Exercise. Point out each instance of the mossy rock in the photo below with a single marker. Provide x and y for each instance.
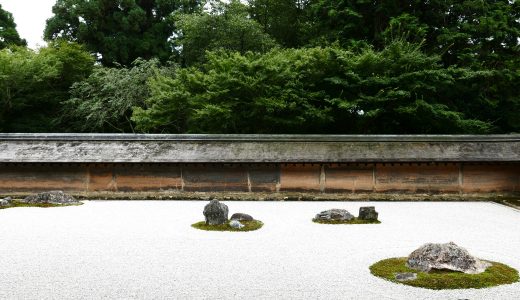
(353, 221)
(497, 274)
(248, 226)
(15, 203)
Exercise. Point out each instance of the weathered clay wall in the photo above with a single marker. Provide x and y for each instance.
(349, 164)
(327, 178)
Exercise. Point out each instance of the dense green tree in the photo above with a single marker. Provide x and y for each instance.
(34, 83)
(284, 20)
(284, 66)
(119, 31)
(223, 26)
(469, 32)
(319, 90)
(103, 102)
(8, 33)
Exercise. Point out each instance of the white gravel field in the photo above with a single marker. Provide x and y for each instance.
(148, 250)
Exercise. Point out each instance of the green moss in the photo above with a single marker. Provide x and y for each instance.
(248, 226)
(44, 205)
(513, 202)
(353, 221)
(495, 275)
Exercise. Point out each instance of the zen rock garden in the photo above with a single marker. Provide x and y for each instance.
(444, 266)
(367, 215)
(45, 199)
(431, 266)
(216, 219)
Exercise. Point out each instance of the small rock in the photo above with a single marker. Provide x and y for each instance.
(241, 217)
(52, 197)
(236, 224)
(368, 213)
(215, 213)
(5, 201)
(334, 214)
(405, 276)
(447, 256)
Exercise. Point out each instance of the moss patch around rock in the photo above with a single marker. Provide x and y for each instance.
(44, 205)
(497, 274)
(248, 226)
(353, 221)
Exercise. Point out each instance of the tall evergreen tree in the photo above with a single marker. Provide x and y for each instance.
(468, 32)
(284, 20)
(8, 33)
(120, 31)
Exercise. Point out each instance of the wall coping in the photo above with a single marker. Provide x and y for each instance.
(153, 148)
(257, 137)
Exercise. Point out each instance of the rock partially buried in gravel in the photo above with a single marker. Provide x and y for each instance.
(334, 214)
(5, 201)
(447, 256)
(241, 217)
(215, 213)
(236, 224)
(368, 213)
(52, 197)
(405, 276)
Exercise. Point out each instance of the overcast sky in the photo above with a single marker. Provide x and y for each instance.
(30, 17)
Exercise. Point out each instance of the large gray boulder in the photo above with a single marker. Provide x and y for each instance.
(216, 213)
(241, 217)
(368, 213)
(447, 256)
(52, 197)
(334, 214)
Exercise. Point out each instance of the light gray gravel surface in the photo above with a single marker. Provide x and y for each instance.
(147, 250)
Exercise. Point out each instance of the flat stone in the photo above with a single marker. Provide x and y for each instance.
(447, 256)
(334, 214)
(368, 213)
(405, 276)
(52, 197)
(241, 217)
(215, 213)
(236, 224)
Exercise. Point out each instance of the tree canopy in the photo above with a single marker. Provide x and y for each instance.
(463, 32)
(318, 90)
(225, 26)
(34, 83)
(8, 34)
(266, 66)
(119, 31)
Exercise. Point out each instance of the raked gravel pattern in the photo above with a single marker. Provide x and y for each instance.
(147, 250)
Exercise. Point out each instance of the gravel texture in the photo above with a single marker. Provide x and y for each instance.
(145, 250)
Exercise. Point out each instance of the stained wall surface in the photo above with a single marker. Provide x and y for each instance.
(418, 164)
(326, 178)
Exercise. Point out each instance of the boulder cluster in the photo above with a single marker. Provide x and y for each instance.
(216, 213)
(367, 213)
